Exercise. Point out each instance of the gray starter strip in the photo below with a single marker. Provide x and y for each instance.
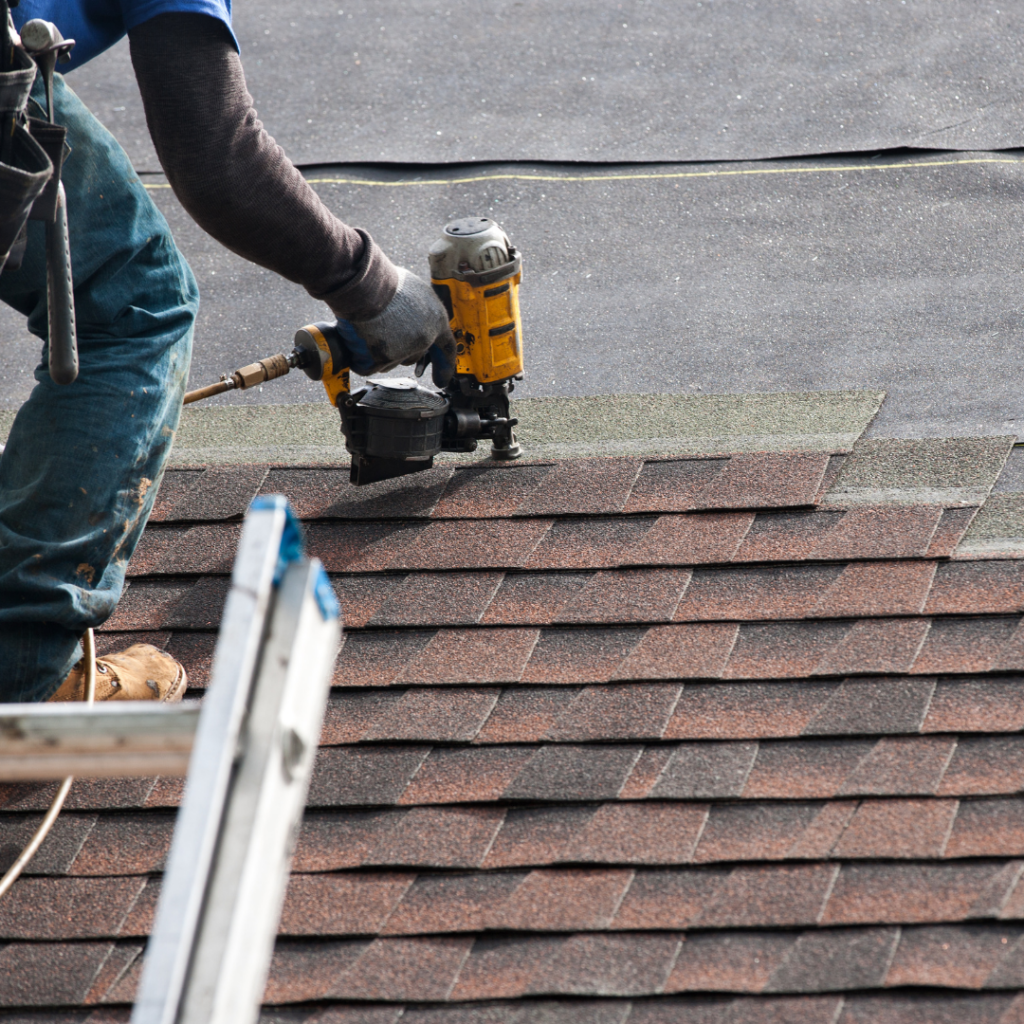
(935, 471)
(306, 434)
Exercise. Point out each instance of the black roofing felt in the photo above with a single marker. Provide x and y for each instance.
(603, 80)
(899, 274)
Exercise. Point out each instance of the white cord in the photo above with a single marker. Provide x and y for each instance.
(11, 876)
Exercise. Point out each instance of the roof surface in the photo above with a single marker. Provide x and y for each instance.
(702, 739)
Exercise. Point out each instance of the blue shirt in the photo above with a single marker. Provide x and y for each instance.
(95, 25)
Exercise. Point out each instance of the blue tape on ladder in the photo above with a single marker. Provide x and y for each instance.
(291, 549)
(324, 594)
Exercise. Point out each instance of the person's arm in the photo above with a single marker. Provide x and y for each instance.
(235, 181)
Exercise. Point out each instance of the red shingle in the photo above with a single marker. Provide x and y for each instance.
(399, 969)
(650, 833)
(706, 770)
(779, 649)
(877, 588)
(884, 532)
(776, 592)
(908, 893)
(987, 828)
(329, 841)
(733, 962)
(569, 772)
(301, 971)
(201, 606)
(434, 714)
(462, 776)
(950, 531)
(673, 485)
(218, 492)
(473, 544)
(147, 604)
(691, 539)
(873, 706)
(361, 597)
(345, 904)
(567, 900)
(754, 831)
(760, 895)
(646, 772)
(627, 595)
(901, 765)
(453, 903)
(580, 655)
(836, 959)
(195, 652)
(379, 658)
(949, 957)
(437, 599)
(976, 705)
(898, 828)
(438, 837)
(787, 536)
(589, 543)
(533, 836)
(325, 493)
(490, 491)
(625, 711)
(684, 651)
(349, 714)
(524, 715)
(876, 645)
(804, 769)
(607, 965)
(49, 973)
(977, 588)
(348, 776)
(67, 908)
(595, 485)
(983, 765)
(747, 710)
(963, 645)
(350, 547)
(125, 844)
(472, 656)
(765, 480)
(503, 967)
(533, 599)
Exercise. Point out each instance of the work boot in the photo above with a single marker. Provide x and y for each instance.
(142, 672)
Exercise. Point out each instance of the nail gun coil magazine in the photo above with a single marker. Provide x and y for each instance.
(393, 427)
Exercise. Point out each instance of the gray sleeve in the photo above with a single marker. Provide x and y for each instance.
(234, 180)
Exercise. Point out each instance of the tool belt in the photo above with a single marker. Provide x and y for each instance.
(29, 159)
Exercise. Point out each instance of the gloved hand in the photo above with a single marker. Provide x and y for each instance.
(412, 327)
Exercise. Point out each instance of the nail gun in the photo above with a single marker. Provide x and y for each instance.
(394, 426)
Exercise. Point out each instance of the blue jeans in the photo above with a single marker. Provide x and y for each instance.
(84, 461)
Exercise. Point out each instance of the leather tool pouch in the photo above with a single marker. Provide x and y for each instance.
(27, 168)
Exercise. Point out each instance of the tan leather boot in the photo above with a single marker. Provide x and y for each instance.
(142, 672)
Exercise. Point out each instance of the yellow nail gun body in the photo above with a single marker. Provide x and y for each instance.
(394, 426)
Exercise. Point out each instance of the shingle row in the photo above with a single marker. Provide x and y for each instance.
(657, 832)
(590, 486)
(592, 542)
(773, 650)
(467, 968)
(489, 837)
(754, 770)
(822, 591)
(557, 900)
(895, 1007)
(675, 711)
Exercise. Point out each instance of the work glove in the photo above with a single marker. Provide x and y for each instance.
(412, 328)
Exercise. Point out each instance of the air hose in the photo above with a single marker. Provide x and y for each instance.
(11, 876)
